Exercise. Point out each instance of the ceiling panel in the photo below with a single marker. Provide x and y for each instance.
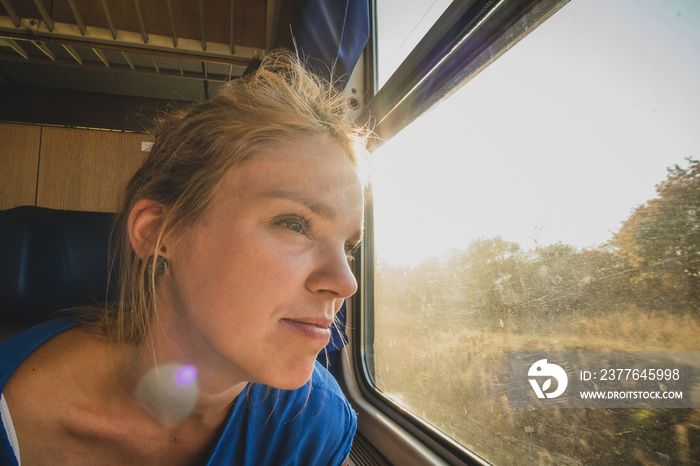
(143, 61)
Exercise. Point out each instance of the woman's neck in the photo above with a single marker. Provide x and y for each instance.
(174, 380)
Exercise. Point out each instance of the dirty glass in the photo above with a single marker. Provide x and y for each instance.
(551, 204)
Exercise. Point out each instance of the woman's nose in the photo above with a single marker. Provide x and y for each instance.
(332, 274)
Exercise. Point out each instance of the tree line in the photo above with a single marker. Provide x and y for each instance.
(652, 262)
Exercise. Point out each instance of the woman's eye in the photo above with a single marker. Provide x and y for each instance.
(296, 225)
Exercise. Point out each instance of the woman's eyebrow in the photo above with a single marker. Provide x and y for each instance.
(319, 208)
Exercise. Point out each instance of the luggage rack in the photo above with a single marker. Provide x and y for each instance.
(212, 40)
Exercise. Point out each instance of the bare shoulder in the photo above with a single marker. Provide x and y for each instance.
(69, 407)
(50, 368)
(44, 392)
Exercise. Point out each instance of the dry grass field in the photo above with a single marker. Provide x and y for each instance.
(455, 376)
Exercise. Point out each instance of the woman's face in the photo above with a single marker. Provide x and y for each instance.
(254, 286)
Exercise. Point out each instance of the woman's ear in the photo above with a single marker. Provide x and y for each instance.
(145, 220)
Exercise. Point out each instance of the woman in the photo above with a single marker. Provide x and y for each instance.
(233, 262)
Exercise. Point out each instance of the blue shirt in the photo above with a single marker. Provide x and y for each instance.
(313, 425)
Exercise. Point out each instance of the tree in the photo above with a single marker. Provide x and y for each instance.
(661, 239)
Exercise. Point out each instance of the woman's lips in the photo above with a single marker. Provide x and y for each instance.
(315, 329)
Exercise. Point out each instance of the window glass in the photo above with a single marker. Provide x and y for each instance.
(401, 24)
(551, 204)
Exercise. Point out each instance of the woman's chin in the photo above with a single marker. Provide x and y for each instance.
(293, 378)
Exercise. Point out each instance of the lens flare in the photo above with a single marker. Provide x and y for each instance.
(169, 392)
(186, 376)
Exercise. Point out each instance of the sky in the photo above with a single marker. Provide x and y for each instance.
(404, 22)
(557, 141)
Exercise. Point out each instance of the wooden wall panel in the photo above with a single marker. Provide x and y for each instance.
(85, 169)
(19, 156)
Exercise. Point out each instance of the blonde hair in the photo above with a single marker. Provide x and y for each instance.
(194, 149)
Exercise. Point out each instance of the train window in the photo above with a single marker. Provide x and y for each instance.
(551, 203)
(401, 25)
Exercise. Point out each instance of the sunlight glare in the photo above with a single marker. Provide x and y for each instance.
(556, 141)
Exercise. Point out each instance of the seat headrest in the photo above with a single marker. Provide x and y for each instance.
(51, 260)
